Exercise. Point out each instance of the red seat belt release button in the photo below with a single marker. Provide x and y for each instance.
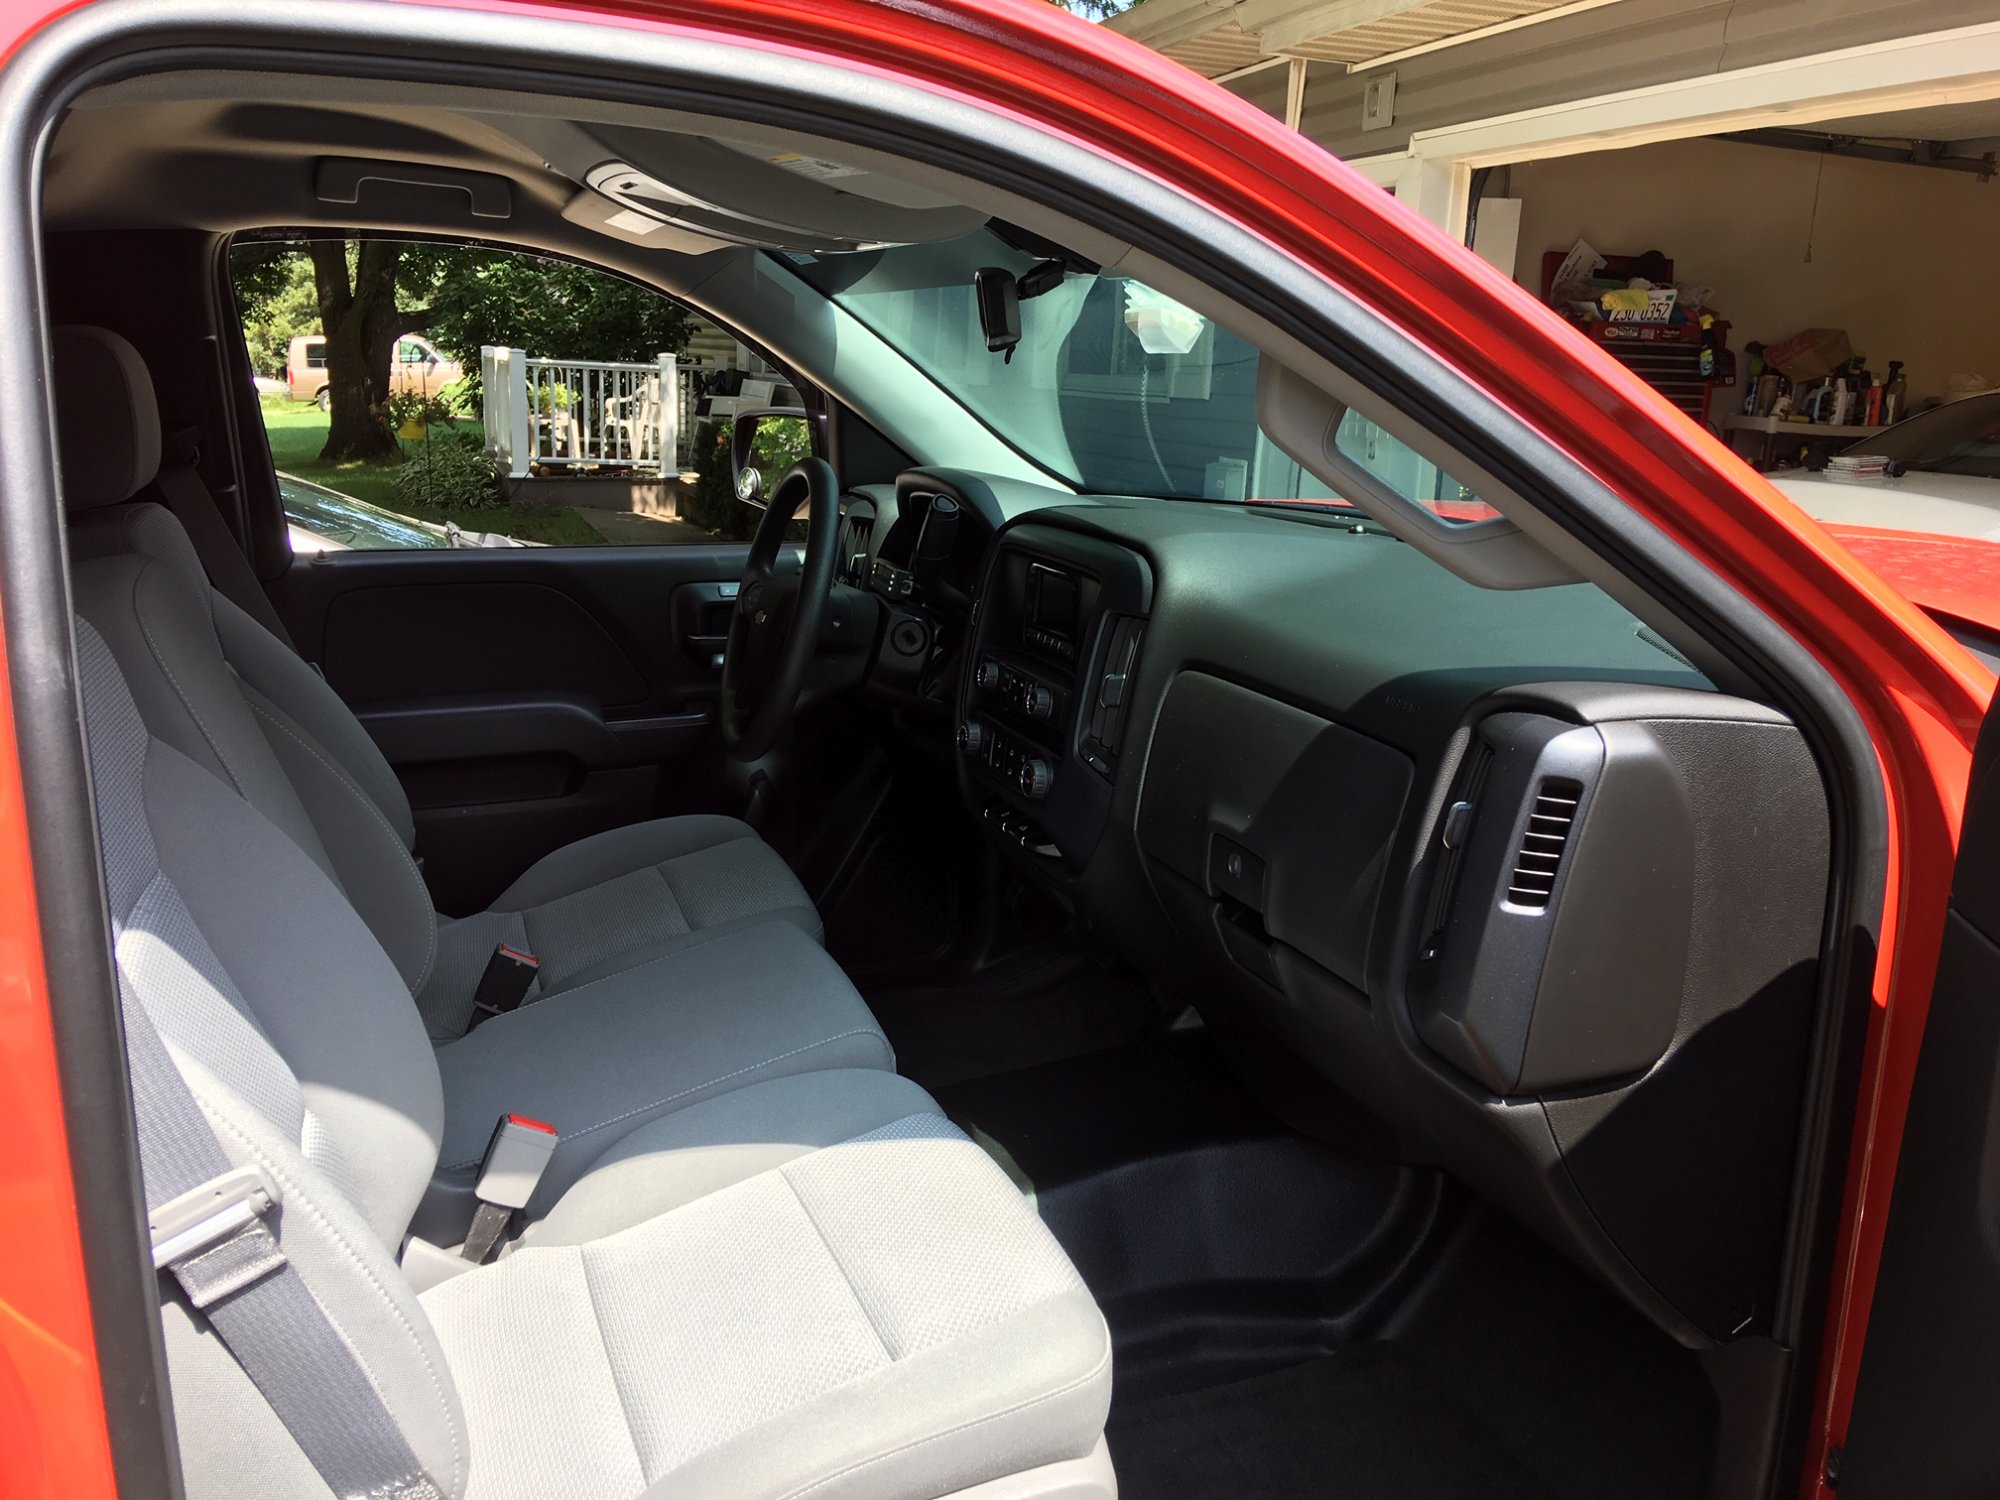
(514, 1162)
(516, 1157)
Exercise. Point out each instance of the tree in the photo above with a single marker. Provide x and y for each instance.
(364, 295)
(362, 317)
(276, 299)
(547, 307)
(1094, 10)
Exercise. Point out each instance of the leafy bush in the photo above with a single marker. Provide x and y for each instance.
(778, 445)
(450, 471)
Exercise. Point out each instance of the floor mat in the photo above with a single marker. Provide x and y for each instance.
(1034, 1010)
(1367, 1423)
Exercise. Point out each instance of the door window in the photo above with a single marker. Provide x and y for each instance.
(545, 403)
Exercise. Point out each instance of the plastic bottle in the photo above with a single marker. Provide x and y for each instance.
(1895, 394)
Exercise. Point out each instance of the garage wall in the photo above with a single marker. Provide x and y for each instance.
(1906, 259)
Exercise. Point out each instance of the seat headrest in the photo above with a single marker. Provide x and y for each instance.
(106, 417)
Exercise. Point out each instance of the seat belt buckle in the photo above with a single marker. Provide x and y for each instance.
(205, 1216)
(516, 1157)
(509, 975)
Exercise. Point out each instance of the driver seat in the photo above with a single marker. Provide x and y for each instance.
(599, 906)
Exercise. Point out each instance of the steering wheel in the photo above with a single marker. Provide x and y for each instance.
(775, 630)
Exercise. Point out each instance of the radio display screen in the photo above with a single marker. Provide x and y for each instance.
(1054, 598)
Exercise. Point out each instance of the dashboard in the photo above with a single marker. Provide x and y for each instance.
(1501, 866)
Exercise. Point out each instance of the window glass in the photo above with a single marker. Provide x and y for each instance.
(1114, 387)
(543, 403)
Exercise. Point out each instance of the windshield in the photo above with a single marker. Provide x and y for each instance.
(1962, 437)
(1114, 387)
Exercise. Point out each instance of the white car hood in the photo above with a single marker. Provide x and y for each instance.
(1943, 504)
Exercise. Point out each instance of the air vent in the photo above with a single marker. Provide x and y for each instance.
(1533, 880)
(855, 533)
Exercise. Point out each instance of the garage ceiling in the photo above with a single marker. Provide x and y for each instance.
(1974, 123)
(1219, 37)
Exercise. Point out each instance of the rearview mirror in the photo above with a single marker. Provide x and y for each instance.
(763, 446)
(999, 297)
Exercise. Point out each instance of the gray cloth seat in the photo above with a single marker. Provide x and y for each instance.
(896, 1268)
(614, 900)
(617, 901)
(811, 1286)
(661, 1029)
(674, 1018)
(751, 1004)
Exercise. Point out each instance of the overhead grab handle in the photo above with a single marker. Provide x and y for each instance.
(341, 177)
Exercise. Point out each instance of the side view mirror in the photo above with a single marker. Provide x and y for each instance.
(763, 446)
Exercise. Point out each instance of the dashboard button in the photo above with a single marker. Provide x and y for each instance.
(1235, 872)
(971, 737)
(1456, 822)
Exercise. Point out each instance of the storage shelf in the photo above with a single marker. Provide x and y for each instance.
(1737, 422)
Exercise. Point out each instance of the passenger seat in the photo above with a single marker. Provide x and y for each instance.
(812, 1286)
(600, 905)
(667, 1027)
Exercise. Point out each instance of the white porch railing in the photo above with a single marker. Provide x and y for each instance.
(560, 414)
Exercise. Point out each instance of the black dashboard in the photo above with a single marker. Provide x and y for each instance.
(1499, 865)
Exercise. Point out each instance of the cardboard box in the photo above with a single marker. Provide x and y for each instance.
(1811, 355)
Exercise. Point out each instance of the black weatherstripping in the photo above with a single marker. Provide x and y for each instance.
(1923, 1411)
(61, 827)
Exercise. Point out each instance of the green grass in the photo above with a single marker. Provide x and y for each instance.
(297, 432)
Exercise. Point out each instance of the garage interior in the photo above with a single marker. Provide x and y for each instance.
(1822, 168)
(1842, 246)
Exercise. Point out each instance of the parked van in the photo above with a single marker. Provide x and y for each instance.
(415, 366)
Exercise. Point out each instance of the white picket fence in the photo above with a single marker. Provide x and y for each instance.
(566, 414)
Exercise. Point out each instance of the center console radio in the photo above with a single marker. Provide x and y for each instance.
(1056, 639)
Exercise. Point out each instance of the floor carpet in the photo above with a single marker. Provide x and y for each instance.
(1366, 1423)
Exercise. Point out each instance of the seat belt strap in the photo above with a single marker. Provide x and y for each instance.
(208, 1222)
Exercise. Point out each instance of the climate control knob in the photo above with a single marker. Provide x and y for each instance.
(1034, 778)
(987, 678)
(972, 737)
(1038, 702)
